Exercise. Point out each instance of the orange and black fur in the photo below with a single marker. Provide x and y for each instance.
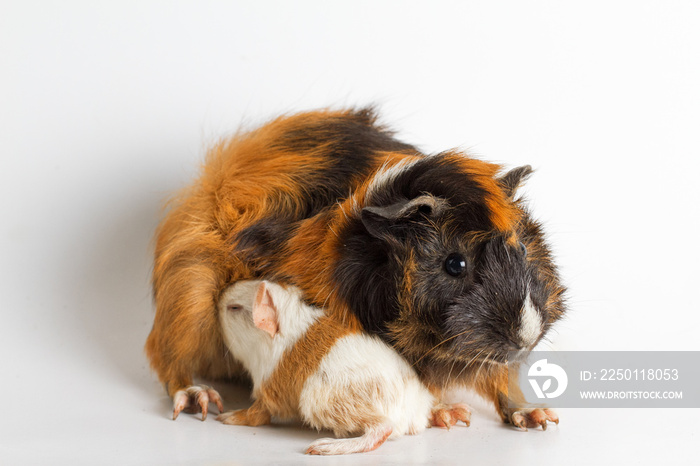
(432, 253)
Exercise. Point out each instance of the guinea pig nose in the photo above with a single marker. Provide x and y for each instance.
(531, 323)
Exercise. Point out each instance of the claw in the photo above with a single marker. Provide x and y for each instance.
(519, 421)
(179, 402)
(552, 416)
(444, 419)
(216, 399)
(194, 399)
(462, 413)
(534, 418)
(448, 415)
(203, 401)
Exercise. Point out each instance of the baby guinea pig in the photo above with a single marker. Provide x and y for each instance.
(306, 365)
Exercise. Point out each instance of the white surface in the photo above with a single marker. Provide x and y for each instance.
(106, 107)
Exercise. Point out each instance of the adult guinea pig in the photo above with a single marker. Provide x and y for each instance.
(305, 365)
(435, 254)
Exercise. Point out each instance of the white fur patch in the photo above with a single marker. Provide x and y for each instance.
(364, 378)
(530, 323)
(252, 346)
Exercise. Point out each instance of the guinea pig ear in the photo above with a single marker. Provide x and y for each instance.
(265, 311)
(511, 181)
(377, 219)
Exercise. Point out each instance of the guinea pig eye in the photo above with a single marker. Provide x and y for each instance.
(455, 264)
(234, 307)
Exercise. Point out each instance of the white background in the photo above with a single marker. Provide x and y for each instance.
(107, 107)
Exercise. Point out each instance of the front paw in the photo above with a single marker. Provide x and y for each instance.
(444, 415)
(524, 418)
(194, 399)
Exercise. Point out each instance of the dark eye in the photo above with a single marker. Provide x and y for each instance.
(523, 248)
(455, 264)
(234, 307)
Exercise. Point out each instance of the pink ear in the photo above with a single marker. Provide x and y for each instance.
(264, 311)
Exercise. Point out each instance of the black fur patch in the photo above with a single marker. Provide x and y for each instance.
(261, 242)
(368, 277)
(370, 272)
(441, 177)
(349, 141)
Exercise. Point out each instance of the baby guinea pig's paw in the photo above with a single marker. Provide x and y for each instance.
(525, 418)
(234, 418)
(194, 399)
(256, 415)
(444, 415)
